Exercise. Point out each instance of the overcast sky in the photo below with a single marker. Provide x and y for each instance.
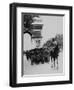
(52, 25)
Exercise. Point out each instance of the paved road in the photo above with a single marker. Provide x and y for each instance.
(42, 68)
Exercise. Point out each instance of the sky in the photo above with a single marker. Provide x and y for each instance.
(52, 25)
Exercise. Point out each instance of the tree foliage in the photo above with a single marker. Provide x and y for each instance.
(28, 20)
(59, 39)
(51, 43)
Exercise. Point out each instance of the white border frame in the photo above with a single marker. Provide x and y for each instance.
(59, 77)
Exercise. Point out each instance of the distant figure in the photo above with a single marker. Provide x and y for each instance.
(54, 54)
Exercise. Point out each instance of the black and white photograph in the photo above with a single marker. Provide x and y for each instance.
(42, 44)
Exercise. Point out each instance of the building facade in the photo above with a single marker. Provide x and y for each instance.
(34, 30)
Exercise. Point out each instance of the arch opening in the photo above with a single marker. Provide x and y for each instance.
(27, 41)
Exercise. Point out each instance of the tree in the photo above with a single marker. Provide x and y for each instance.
(49, 45)
(28, 20)
(59, 39)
